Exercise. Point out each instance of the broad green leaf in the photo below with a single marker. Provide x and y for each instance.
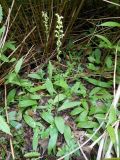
(111, 133)
(84, 103)
(13, 79)
(60, 124)
(30, 121)
(1, 13)
(18, 65)
(12, 59)
(35, 138)
(109, 62)
(97, 110)
(45, 133)
(9, 45)
(62, 83)
(99, 116)
(94, 91)
(53, 140)
(104, 39)
(38, 88)
(92, 67)
(82, 90)
(87, 124)
(4, 126)
(67, 134)
(34, 76)
(97, 55)
(27, 103)
(47, 117)
(35, 96)
(50, 70)
(4, 58)
(97, 82)
(32, 155)
(75, 87)
(91, 59)
(110, 24)
(12, 115)
(67, 105)
(25, 83)
(83, 116)
(59, 98)
(11, 96)
(112, 115)
(16, 124)
(49, 86)
(76, 111)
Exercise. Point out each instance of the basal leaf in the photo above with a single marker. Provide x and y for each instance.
(62, 83)
(76, 111)
(60, 124)
(15, 124)
(35, 96)
(47, 117)
(34, 76)
(99, 116)
(4, 58)
(104, 39)
(37, 88)
(111, 133)
(49, 86)
(109, 62)
(67, 105)
(91, 66)
(53, 140)
(50, 70)
(83, 116)
(97, 82)
(18, 65)
(87, 124)
(112, 116)
(59, 98)
(12, 115)
(10, 45)
(32, 155)
(94, 91)
(35, 138)
(11, 96)
(30, 121)
(27, 103)
(75, 87)
(110, 24)
(67, 134)
(4, 126)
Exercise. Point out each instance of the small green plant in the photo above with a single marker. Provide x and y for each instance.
(59, 94)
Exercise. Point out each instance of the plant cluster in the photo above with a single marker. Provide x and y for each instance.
(53, 107)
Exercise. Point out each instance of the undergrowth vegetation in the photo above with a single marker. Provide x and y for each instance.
(67, 105)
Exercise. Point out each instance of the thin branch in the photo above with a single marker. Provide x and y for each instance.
(99, 155)
(85, 157)
(112, 3)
